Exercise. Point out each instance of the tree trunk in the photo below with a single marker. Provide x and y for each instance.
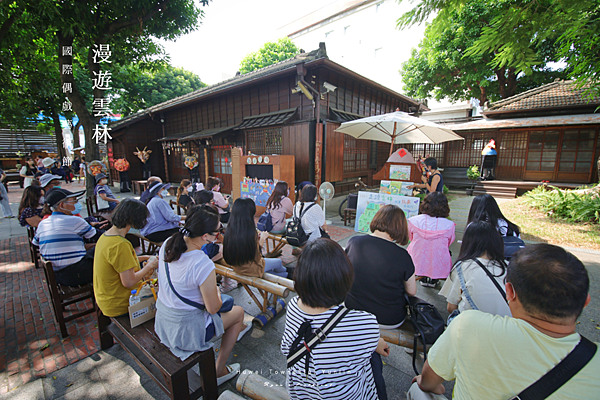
(501, 82)
(482, 96)
(75, 132)
(86, 118)
(511, 82)
(60, 147)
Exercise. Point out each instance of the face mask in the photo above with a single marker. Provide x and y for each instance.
(78, 208)
(164, 193)
(58, 187)
(42, 200)
(217, 188)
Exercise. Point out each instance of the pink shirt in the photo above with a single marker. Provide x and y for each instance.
(220, 202)
(278, 214)
(430, 239)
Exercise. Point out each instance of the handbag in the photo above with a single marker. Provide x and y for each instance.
(101, 203)
(310, 340)
(225, 298)
(294, 233)
(265, 222)
(561, 373)
(428, 323)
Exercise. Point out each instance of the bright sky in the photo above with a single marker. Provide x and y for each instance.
(230, 30)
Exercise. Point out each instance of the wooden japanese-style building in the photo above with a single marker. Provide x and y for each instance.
(549, 133)
(289, 108)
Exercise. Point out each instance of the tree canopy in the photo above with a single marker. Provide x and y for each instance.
(270, 53)
(442, 67)
(515, 35)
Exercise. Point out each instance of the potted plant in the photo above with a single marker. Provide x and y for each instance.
(473, 174)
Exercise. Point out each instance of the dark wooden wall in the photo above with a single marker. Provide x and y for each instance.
(141, 134)
(295, 142)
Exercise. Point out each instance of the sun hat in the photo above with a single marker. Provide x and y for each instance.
(157, 188)
(48, 162)
(47, 178)
(100, 176)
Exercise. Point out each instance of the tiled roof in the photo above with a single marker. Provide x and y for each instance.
(551, 95)
(237, 80)
(268, 119)
(343, 116)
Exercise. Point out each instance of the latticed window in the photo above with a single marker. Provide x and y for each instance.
(264, 141)
(356, 154)
(221, 159)
(432, 150)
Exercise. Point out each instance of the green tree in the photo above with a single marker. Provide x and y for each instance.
(130, 29)
(270, 53)
(514, 35)
(139, 89)
(443, 68)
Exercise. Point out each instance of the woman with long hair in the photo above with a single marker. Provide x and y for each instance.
(183, 197)
(280, 206)
(190, 310)
(485, 208)
(214, 184)
(27, 172)
(431, 233)
(242, 245)
(31, 206)
(468, 286)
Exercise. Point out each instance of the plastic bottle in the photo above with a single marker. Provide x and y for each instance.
(134, 298)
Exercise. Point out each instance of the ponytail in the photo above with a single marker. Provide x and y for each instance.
(199, 221)
(182, 185)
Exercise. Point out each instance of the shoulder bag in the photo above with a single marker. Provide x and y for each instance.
(428, 323)
(561, 373)
(294, 233)
(502, 292)
(306, 340)
(225, 298)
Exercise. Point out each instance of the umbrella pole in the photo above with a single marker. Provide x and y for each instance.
(393, 138)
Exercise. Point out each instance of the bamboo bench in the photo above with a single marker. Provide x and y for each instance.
(149, 247)
(171, 374)
(278, 241)
(269, 283)
(403, 336)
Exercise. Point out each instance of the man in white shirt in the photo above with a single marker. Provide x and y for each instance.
(493, 357)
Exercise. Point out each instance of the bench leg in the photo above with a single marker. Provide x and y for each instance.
(209, 375)
(106, 339)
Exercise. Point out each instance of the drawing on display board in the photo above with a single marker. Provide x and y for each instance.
(400, 172)
(369, 203)
(258, 191)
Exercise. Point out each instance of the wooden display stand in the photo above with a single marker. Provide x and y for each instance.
(279, 168)
(399, 157)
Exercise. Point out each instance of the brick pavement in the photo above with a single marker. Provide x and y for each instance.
(27, 322)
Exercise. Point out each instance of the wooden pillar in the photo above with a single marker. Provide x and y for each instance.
(236, 172)
(166, 164)
(318, 154)
(205, 166)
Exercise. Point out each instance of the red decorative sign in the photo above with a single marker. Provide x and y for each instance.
(402, 152)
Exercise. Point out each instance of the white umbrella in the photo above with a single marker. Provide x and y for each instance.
(398, 128)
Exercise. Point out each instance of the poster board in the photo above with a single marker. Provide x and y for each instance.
(257, 191)
(396, 188)
(369, 203)
(400, 172)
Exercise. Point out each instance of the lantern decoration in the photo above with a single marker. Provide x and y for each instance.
(190, 161)
(121, 165)
(96, 167)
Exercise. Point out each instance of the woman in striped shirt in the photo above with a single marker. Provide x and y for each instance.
(339, 366)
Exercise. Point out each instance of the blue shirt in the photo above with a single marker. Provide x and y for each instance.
(60, 238)
(104, 189)
(161, 218)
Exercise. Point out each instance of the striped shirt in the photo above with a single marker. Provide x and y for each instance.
(339, 367)
(60, 238)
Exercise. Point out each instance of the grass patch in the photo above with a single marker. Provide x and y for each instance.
(537, 226)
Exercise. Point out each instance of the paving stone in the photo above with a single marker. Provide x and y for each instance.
(31, 391)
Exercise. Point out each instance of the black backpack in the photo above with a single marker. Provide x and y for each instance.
(294, 233)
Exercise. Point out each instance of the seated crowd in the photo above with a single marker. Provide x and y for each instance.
(509, 323)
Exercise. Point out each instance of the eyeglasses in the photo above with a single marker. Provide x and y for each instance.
(220, 230)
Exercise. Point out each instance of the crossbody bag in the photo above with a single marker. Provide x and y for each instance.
(494, 281)
(226, 299)
(306, 340)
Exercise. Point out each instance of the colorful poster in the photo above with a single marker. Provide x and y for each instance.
(369, 203)
(392, 187)
(257, 191)
(400, 172)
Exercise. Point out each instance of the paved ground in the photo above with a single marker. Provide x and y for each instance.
(27, 373)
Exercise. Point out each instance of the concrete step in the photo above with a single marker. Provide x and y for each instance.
(504, 194)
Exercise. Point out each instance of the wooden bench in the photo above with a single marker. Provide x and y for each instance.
(149, 247)
(276, 285)
(349, 215)
(63, 296)
(175, 206)
(170, 373)
(403, 336)
(34, 251)
(139, 186)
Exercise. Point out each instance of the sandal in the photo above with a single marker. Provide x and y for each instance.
(233, 370)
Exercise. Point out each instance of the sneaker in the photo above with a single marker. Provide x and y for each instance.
(227, 285)
(233, 369)
(296, 251)
(246, 329)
